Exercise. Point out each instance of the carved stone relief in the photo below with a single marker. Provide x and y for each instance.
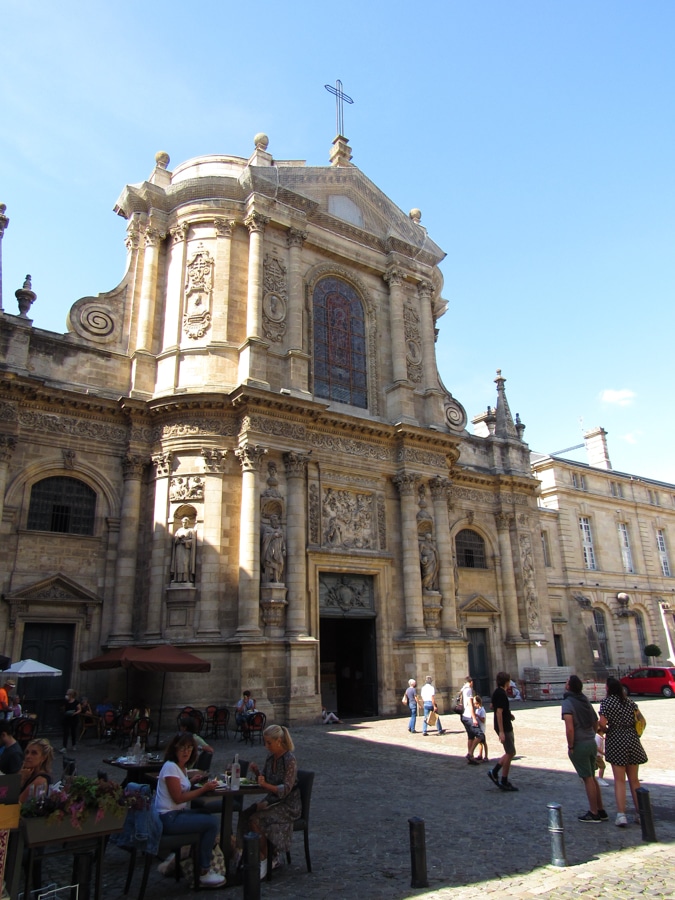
(527, 566)
(198, 293)
(347, 593)
(275, 299)
(314, 514)
(413, 342)
(191, 487)
(348, 520)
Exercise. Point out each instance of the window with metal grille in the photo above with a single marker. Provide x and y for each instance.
(663, 552)
(339, 343)
(587, 542)
(63, 505)
(470, 550)
(601, 632)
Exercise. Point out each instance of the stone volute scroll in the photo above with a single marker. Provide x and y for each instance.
(184, 553)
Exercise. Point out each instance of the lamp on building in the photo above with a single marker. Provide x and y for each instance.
(624, 600)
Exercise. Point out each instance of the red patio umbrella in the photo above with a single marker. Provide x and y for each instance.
(161, 658)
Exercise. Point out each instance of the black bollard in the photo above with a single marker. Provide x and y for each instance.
(251, 866)
(646, 817)
(418, 853)
(557, 832)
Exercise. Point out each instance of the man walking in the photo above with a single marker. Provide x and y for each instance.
(428, 693)
(580, 726)
(469, 721)
(504, 728)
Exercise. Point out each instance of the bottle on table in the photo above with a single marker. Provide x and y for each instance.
(236, 774)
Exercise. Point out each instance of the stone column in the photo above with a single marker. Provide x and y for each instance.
(440, 488)
(299, 361)
(412, 577)
(221, 285)
(394, 278)
(7, 447)
(249, 456)
(210, 570)
(159, 560)
(127, 550)
(504, 521)
(146, 313)
(425, 293)
(175, 286)
(296, 544)
(255, 222)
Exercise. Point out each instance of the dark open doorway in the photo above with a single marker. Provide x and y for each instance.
(52, 644)
(349, 666)
(478, 661)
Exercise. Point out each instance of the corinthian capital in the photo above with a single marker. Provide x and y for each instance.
(295, 464)
(250, 456)
(7, 447)
(503, 521)
(439, 487)
(179, 232)
(153, 237)
(255, 222)
(406, 483)
(132, 466)
(394, 276)
(425, 290)
(162, 464)
(295, 237)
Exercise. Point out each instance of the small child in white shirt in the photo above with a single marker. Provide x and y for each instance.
(600, 759)
(481, 716)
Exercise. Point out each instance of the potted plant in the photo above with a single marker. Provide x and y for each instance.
(652, 650)
(82, 806)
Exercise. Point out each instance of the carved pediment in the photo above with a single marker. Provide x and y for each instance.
(479, 605)
(57, 590)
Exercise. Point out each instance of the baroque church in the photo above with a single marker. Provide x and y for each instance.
(246, 450)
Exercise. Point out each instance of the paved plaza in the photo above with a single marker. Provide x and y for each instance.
(372, 776)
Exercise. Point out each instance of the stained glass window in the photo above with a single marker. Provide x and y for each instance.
(339, 343)
(64, 505)
(470, 549)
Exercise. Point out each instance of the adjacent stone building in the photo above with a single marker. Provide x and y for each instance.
(607, 544)
(246, 449)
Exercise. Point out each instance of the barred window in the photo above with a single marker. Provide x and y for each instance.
(470, 550)
(339, 343)
(63, 505)
(601, 633)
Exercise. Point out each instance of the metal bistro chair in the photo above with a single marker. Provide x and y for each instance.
(221, 720)
(142, 729)
(305, 783)
(209, 717)
(169, 843)
(124, 730)
(107, 724)
(189, 712)
(24, 731)
(255, 725)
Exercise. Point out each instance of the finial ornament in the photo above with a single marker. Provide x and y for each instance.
(25, 296)
(340, 99)
(416, 215)
(162, 159)
(261, 141)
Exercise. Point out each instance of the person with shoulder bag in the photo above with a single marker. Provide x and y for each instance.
(410, 699)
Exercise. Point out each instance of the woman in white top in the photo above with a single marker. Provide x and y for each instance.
(172, 800)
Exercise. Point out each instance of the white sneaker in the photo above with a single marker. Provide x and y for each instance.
(603, 783)
(621, 820)
(263, 868)
(211, 880)
(167, 867)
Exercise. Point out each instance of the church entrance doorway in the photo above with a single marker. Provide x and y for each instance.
(478, 661)
(349, 666)
(50, 643)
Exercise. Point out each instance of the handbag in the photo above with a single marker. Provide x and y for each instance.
(640, 722)
(404, 700)
(458, 707)
(432, 717)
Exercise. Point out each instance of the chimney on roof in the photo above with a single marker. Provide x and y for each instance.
(596, 448)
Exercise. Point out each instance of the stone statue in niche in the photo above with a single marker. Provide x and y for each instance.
(184, 553)
(273, 552)
(428, 563)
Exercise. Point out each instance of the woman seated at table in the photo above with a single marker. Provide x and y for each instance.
(273, 816)
(174, 793)
(36, 770)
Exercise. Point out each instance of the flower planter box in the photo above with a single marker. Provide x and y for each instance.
(39, 831)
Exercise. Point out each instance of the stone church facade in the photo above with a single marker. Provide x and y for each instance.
(246, 449)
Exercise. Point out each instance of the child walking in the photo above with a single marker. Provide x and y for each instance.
(481, 715)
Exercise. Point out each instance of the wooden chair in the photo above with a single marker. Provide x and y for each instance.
(209, 719)
(254, 726)
(305, 783)
(169, 843)
(89, 721)
(221, 720)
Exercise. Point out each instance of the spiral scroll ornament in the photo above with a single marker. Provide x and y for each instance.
(92, 320)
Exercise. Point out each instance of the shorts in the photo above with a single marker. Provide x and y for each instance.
(509, 744)
(582, 758)
(473, 731)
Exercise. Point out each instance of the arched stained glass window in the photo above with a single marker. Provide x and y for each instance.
(339, 343)
(61, 504)
(470, 549)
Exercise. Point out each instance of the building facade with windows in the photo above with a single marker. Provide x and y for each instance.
(246, 449)
(607, 541)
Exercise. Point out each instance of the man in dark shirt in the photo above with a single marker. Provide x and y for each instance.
(504, 728)
(11, 757)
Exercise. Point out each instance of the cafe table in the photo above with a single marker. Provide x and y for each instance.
(136, 771)
(227, 797)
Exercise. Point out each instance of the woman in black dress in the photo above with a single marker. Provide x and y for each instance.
(622, 746)
(71, 719)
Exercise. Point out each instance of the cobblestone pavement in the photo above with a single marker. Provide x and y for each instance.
(372, 776)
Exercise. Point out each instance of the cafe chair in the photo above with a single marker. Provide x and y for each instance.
(209, 718)
(24, 731)
(142, 729)
(169, 843)
(220, 721)
(89, 721)
(204, 760)
(305, 783)
(189, 712)
(255, 725)
(107, 724)
(69, 766)
(124, 731)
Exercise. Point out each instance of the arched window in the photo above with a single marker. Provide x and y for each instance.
(470, 550)
(64, 505)
(601, 632)
(339, 343)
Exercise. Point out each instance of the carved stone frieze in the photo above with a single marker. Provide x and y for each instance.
(314, 514)
(68, 425)
(382, 521)
(420, 457)
(9, 412)
(527, 568)
(190, 487)
(338, 444)
(197, 427)
(413, 342)
(278, 427)
(348, 519)
(198, 294)
(275, 299)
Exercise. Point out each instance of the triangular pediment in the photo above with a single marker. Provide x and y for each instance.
(55, 588)
(479, 605)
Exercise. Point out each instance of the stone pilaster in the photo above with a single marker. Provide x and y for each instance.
(425, 294)
(4, 222)
(299, 360)
(127, 550)
(440, 489)
(253, 352)
(412, 579)
(159, 558)
(146, 313)
(400, 406)
(175, 286)
(296, 543)
(224, 230)
(250, 457)
(7, 448)
(211, 576)
(504, 521)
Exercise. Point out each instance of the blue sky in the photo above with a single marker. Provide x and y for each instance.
(537, 137)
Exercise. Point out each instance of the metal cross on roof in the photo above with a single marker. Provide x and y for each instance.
(340, 99)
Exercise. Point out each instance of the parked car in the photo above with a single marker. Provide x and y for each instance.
(650, 680)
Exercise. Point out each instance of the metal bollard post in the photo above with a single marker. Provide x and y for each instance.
(251, 866)
(418, 853)
(557, 832)
(646, 817)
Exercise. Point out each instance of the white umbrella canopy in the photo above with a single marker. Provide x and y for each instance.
(31, 668)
